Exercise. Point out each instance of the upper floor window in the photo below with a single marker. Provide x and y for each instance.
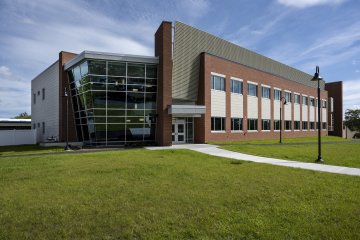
(43, 93)
(312, 102)
(305, 100)
(277, 94)
(288, 97)
(323, 103)
(34, 98)
(217, 83)
(236, 86)
(252, 89)
(266, 92)
(297, 98)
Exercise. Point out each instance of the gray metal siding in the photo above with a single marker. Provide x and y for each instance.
(189, 42)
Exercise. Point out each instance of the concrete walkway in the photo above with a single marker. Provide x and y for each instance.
(215, 151)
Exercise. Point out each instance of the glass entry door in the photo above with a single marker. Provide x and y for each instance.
(178, 132)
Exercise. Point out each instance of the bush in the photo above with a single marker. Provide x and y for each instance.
(356, 135)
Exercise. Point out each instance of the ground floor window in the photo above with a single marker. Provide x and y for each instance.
(304, 125)
(217, 124)
(276, 124)
(236, 124)
(324, 125)
(252, 124)
(312, 125)
(288, 125)
(265, 124)
(296, 125)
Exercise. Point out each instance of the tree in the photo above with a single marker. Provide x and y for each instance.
(23, 115)
(352, 119)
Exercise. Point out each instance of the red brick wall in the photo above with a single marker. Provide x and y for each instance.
(163, 50)
(210, 64)
(64, 57)
(335, 90)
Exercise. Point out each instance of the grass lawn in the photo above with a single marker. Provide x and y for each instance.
(171, 194)
(27, 149)
(343, 153)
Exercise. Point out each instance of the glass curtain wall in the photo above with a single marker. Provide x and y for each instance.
(114, 102)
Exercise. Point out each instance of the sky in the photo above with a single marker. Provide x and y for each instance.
(299, 33)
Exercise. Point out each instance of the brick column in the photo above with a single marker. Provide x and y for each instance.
(163, 50)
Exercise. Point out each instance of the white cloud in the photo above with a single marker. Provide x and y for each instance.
(14, 94)
(351, 94)
(195, 8)
(308, 3)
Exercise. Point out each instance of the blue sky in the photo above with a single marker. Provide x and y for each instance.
(299, 33)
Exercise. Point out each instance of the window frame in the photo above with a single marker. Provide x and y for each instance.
(296, 96)
(288, 96)
(233, 125)
(268, 92)
(240, 82)
(255, 121)
(248, 89)
(214, 79)
(288, 125)
(222, 124)
(268, 121)
(275, 95)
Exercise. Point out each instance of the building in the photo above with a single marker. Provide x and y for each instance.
(196, 88)
(17, 124)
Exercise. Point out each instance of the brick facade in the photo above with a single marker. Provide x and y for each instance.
(210, 63)
(335, 90)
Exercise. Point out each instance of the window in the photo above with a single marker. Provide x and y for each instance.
(34, 126)
(266, 92)
(324, 125)
(277, 94)
(38, 125)
(305, 100)
(34, 98)
(265, 124)
(296, 125)
(236, 124)
(288, 97)
(305, 126)
(252, 124)
(323, 103)
(297, 98)
(43, 94)
(288, 125)
(276, 124)
(312, 102)
(217, 124)
(38, 93)
(43, 127)
(312, 125)
(236, 86)
(252, 89)
(217, 83)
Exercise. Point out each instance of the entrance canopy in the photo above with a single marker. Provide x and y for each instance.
(186, 110)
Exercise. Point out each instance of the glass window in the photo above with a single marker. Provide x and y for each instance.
(265, 124)
(84, 69)
(297, 98)
(135, 100)
(43, 94)
(236, 124)
(34, 98)
(305, 100)
(236, 86)
(96, 67)
(288, 97)
(77, 74)
(288, 125)
(276, 124)
(266, 92)
(252, 89)
(277, 94)
(217, 83)
(116, 69)
(115, 100)
(324, 125)
(150, 100)
(296, 125)
(43, 127)
(312, 102)
(151, 71)
(136, 70)
(323, 103)
(312, 125)
(304, 125)
(252, 124)
(217, 124)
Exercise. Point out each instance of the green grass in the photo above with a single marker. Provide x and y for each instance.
(343, 153)
(141, 194)
(27, 149)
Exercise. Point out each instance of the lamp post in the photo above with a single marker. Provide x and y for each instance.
(318, 78)
(67, 147)
(282, 98)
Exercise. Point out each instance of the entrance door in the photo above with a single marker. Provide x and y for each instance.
(178, 132)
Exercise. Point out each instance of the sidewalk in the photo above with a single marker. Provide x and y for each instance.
(215, 151)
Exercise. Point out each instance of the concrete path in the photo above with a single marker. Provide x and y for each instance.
(215, 151)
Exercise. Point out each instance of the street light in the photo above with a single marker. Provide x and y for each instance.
(67, 147)
(282, 98)
(318, 78)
